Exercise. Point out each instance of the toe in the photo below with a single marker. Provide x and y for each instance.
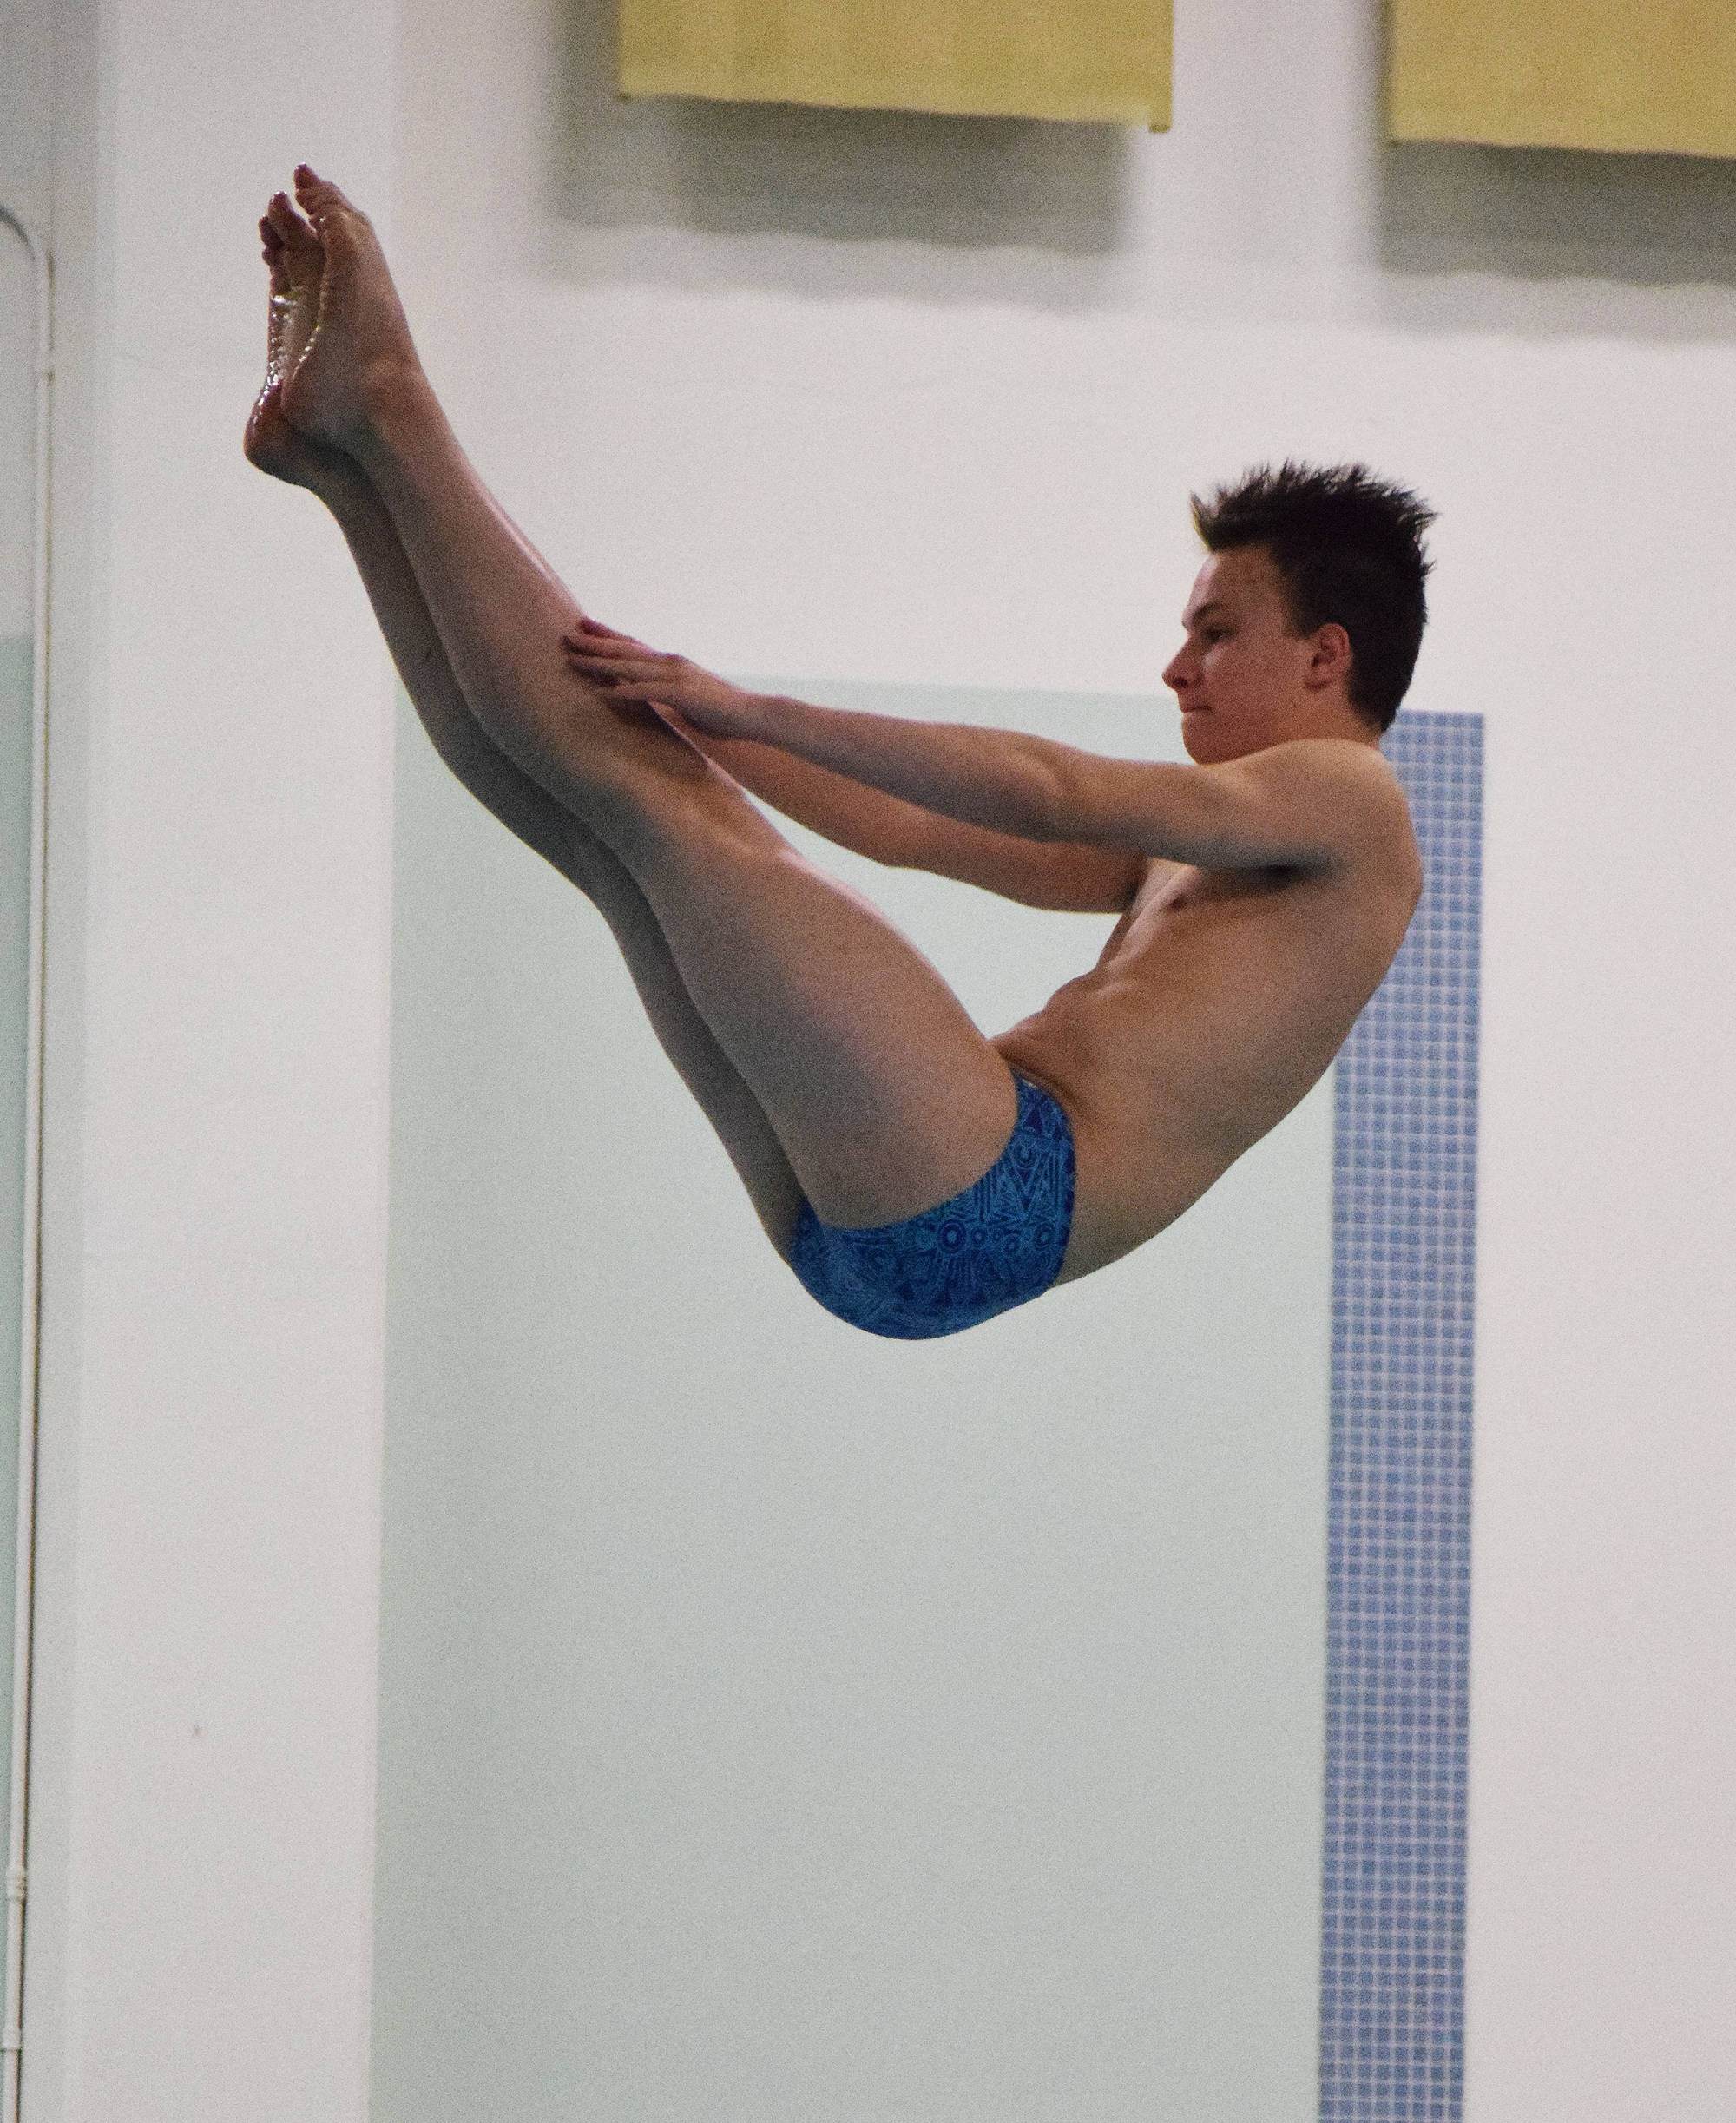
(315, 192)
(292, 229)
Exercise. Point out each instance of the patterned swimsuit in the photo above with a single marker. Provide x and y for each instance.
(998, 1245)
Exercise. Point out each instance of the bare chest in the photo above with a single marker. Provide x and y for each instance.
(1217, 913)
(1215, 986)
(1218, 1000)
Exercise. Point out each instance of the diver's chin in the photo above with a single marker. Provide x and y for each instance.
(1196, 735)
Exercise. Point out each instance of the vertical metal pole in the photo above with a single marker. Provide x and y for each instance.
(12, 2039)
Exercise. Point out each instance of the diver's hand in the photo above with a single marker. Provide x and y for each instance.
(628, 670)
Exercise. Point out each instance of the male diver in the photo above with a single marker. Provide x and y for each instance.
(917, 1176)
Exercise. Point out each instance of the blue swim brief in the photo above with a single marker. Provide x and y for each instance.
(996, 1246)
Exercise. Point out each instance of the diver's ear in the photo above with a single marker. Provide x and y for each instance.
(1330, 658)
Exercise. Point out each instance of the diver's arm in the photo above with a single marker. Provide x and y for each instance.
(905, 836)
(880, 822)
(1309, 804)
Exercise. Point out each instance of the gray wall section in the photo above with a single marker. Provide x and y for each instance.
(780, 1723)
(15, 926)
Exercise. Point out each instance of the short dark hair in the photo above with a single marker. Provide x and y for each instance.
(1349, 549)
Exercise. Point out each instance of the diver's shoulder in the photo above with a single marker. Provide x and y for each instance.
(1351, 782)
(1357, 761)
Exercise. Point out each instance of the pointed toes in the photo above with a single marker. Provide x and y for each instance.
(292, 231)
(318, 196)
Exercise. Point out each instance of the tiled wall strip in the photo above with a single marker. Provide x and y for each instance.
(1404, 1203)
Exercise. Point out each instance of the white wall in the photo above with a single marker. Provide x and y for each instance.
(883, 399)
(201, 1833)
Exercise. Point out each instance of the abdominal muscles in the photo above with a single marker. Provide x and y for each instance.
(1211, 1014)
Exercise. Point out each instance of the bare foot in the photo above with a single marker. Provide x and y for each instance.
(291, 250)
(360, 344)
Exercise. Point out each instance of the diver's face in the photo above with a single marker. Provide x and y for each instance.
(1239, 677)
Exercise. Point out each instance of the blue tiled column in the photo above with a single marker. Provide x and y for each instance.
(1404, 1203)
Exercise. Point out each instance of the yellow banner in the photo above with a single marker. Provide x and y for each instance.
(1636, 75)
(1098, 60)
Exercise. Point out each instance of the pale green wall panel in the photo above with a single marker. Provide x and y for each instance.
(777, 1723)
